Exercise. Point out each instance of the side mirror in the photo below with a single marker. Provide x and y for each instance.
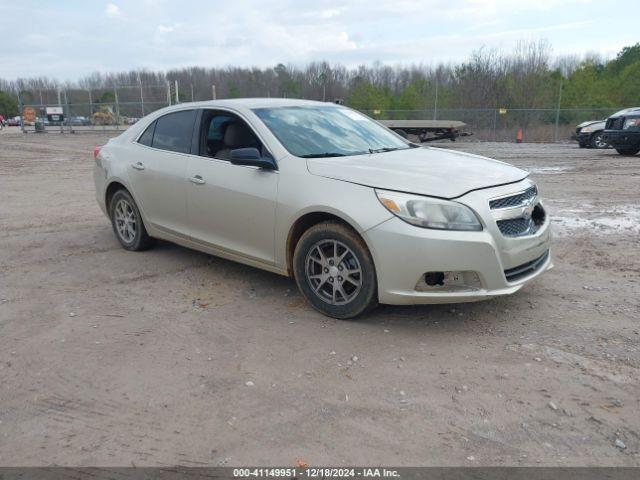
(251, 157)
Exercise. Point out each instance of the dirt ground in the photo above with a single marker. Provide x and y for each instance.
(171, 356)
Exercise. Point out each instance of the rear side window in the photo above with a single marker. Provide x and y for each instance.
(173, 131)
(147, 136)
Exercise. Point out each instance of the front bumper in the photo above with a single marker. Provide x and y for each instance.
(583, 138)
(403, 253)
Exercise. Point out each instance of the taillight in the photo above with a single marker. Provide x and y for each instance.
(96, 152)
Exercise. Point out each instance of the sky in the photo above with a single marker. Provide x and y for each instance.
(70, 39)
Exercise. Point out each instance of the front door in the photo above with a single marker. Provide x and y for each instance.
(231, 207)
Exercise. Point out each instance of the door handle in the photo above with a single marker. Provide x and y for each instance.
(197, 179)
(138, 166)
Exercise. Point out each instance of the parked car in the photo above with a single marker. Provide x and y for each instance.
(14, 122)
(354, 212)
(622, 131)
(589, 134)
(79, 121)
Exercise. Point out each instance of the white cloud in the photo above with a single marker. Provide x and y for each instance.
(330, 13)
(164, 29)
(112, 10)
(163, 34)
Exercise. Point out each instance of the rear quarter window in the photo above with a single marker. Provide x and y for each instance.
(147, 136)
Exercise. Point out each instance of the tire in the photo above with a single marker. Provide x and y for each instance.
(596, 141)
(321, 278)
(127, 222)
(627, 151)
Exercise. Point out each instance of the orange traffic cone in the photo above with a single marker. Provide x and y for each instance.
(519, 136)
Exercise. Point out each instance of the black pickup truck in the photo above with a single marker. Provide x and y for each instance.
(622, 131)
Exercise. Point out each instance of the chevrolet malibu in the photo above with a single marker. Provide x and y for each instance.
(355, 213)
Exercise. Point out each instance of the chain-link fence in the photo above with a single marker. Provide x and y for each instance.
(77, 110)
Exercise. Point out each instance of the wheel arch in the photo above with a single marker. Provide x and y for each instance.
(111, 189)
(113, 185)
(307, 220)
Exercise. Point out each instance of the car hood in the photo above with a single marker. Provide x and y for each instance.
(590, 122)
(426, 171)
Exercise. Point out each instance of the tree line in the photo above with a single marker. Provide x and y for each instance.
(527, 77)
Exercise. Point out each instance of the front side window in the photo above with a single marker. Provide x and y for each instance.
(222, 132)
(173, 131)
(329, 131)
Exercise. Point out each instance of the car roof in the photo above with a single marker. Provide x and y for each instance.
(626, 111)
(258, 103)
(244, 105)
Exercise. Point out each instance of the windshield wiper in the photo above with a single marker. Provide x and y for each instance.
(383, 149)
(323, 155)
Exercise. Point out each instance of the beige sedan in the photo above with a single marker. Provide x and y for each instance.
(355, 213)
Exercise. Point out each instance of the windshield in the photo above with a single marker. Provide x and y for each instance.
(329, 131)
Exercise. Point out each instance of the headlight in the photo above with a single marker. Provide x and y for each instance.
(429, 212)
(588, 129)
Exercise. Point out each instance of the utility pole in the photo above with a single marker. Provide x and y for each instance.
(192, 92)
(66, 102)
(558, 111)
(435, 104)
(141, 95)
(177, 97)
(59, 106)
(213, 92)
(323, 79)
(115, 93)
(21, 109)
(90, 105)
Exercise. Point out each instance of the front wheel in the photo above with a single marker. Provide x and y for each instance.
(627, 151)
(334, 270)
(597, 141)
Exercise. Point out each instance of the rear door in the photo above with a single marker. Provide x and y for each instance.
(231, 207)
(158, 171)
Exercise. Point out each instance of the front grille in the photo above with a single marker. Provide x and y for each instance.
(526, 269)
(516, 227)
(516, 200)
(521, 226)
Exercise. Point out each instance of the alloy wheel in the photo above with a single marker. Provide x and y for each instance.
(598, 142)
(125, 219)
(333, 272)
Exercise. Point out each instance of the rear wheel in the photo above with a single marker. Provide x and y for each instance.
(627, 151)
(597, 141)
(127, 222)
(334, 271)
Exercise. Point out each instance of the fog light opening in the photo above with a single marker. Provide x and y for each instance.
(448, 282)
(434, 278)
(538, 215)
